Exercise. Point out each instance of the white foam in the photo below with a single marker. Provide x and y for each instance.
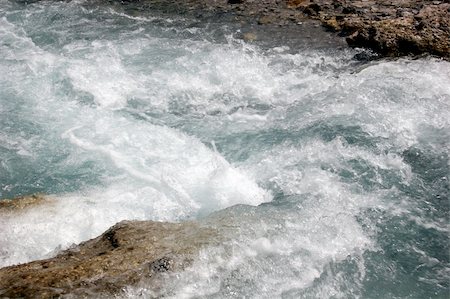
(242, 117)
(295, 243)
(389, 109)
(102, 74)
(159, 174)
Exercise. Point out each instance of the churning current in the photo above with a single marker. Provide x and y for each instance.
(333, 173)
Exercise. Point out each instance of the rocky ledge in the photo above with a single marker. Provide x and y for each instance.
(388, 27)
(126, 254)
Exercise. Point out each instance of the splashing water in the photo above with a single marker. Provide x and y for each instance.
(328, 176)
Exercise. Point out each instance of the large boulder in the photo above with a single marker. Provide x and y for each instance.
(389, 27)
(127, 253)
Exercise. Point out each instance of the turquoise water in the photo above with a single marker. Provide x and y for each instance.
(328, 176)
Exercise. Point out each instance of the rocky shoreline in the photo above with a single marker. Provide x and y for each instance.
(390, 28)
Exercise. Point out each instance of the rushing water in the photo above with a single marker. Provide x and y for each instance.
(330, 174)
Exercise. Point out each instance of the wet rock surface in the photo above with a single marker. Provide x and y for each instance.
(21, 203)
(388, 27)
(391, 28)
(127, 253)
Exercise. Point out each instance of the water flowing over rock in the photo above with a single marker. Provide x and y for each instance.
(122, 256)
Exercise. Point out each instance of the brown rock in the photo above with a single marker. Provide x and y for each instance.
(332, 24)
(23, 202)
(265, 20)
(391, 28)
(249, 36)
(297, 3)
(313, 9)
(127, 253)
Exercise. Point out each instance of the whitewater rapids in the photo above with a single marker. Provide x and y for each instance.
(332, 174)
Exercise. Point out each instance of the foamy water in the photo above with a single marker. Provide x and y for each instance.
(327, 177)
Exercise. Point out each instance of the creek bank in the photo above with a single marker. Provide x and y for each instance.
(388, 27)
(124, 255)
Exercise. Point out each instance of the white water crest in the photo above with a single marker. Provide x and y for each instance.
(326, 177)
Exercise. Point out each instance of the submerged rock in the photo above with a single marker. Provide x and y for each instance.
(249, 36)
(23, 202)
(127, 253)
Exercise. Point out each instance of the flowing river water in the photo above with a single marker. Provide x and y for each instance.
(331, 173)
